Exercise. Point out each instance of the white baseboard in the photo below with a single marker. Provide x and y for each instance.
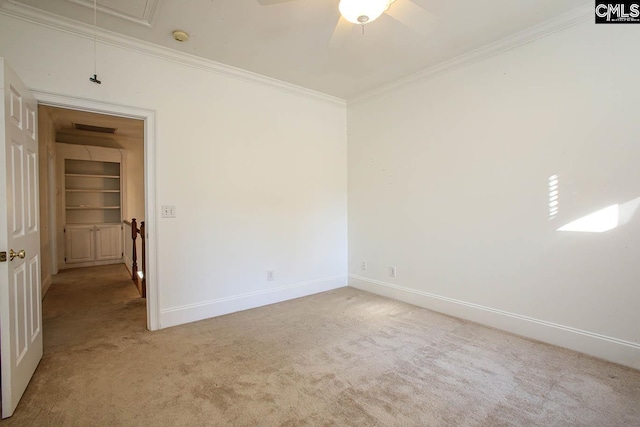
(612, 349)
(67, 266)
(46, 283)
(190, 313)
(127, 262)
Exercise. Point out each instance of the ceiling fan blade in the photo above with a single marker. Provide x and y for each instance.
(413, 16)
(340, 32)
(272, 2)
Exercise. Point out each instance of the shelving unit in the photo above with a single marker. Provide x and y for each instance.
(91, 205)
(92, 192)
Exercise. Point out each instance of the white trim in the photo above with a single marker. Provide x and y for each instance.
(126, 237)
(46, 284)
(553, 25)
(80, 29)
(124, 199)
(609, 348)
(51, 180)
(153, 278)
(72, 265)
(145, 20)
(128, 262)
(221, 306)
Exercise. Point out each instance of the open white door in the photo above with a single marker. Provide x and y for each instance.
(20, 300)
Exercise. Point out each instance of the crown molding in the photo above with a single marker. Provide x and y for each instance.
(80, 29)
(553, 25)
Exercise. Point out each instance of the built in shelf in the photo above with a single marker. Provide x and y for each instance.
(91, 194)
(75, 208)
(85, 224)
(85, 175)
(90, 190)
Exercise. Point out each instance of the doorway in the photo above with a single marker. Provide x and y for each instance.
(138, 193)
(98, 187)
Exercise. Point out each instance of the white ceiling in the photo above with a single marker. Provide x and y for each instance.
(294, 41)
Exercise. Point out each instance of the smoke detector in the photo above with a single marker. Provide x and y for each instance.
(180, 35)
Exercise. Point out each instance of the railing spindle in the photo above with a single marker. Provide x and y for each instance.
(134, 259)
(144, 263)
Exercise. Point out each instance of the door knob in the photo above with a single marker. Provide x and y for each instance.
(20, 254)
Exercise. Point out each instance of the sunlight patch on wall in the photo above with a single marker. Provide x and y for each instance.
(628, 211)
(554, 187)
(597, 222)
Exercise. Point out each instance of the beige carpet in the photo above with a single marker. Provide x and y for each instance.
(339, 358)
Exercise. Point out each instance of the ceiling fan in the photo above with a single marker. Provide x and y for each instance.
(362, 12)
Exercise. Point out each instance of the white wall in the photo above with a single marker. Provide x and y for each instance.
(258, 174)
(134, 163)
(448, 182)
(135, 198)
(46, 159)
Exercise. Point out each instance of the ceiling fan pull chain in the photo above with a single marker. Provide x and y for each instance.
(94, 79)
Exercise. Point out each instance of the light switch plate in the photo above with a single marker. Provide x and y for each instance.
(168, 211)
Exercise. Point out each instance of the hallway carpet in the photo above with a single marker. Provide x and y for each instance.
(343, 358)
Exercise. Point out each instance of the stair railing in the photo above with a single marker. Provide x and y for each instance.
(141, 282)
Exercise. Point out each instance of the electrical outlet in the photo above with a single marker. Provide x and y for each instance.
(363, 265)
(269, 275)
(393, 271)
(168, 211)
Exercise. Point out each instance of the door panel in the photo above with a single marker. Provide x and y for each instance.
(20, 304)
(15, 107)
(79, 243)
(34, 314)
(16, 188)
(20, 292)
(30, 117)
(32, 192)
(108, 242)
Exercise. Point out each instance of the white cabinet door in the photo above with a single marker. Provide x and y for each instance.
(108, 242)
(79, 243)
(20, 302)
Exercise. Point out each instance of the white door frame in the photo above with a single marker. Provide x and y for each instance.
(51, 182)
(69, 102)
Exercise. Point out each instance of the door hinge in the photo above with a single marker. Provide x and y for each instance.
(3, 256)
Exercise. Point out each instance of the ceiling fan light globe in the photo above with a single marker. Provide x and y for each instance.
(362, 11)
